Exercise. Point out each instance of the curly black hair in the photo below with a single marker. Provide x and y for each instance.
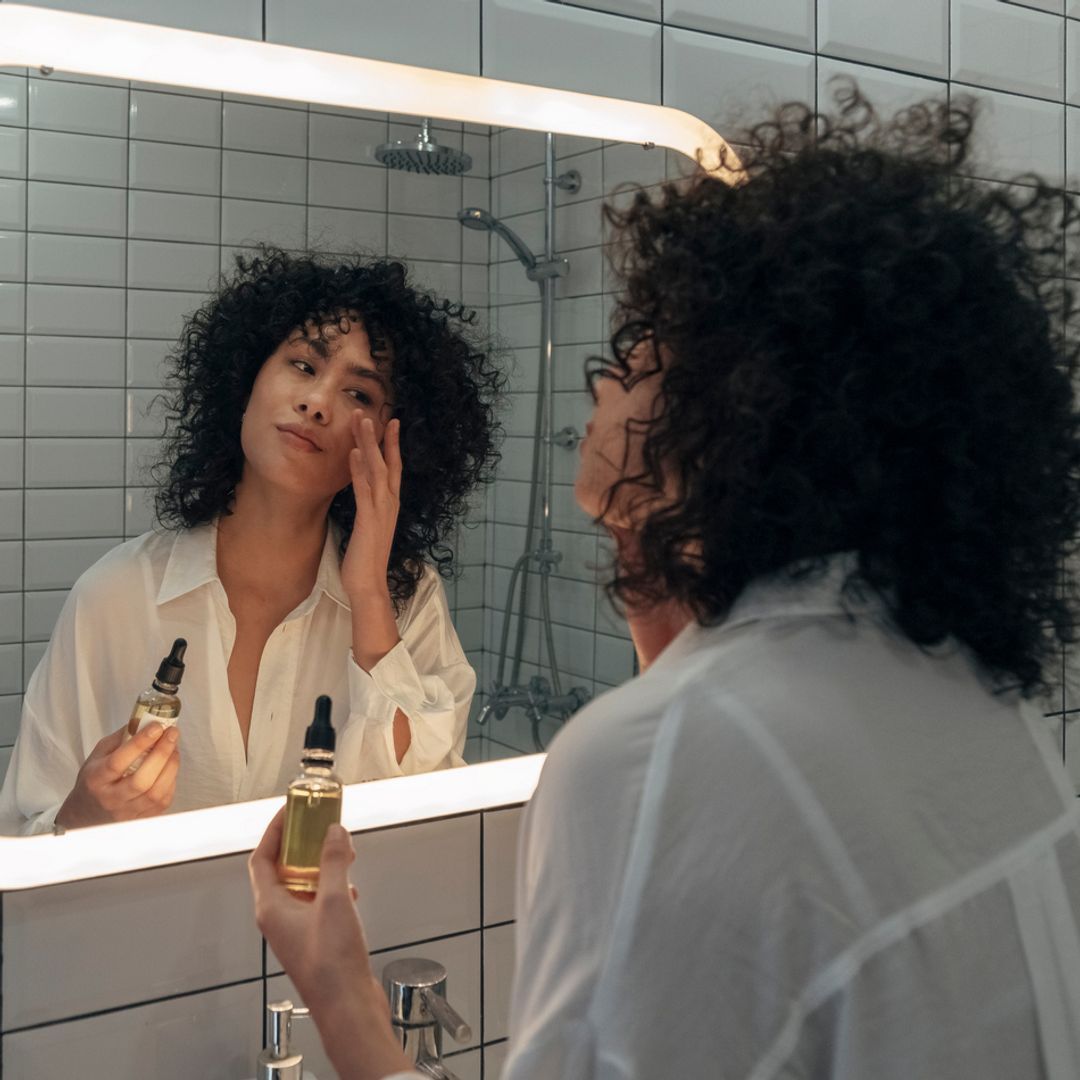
(860, 349)
(446, 389)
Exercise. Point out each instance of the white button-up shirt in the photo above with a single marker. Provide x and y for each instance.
(798, 846)
(121, 618)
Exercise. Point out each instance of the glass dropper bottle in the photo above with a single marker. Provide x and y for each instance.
(312, 805)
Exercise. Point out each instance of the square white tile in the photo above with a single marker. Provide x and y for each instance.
(156, 215)
(56, 259)
(12, 204)
(158, 264)
(13, 100)
(11, 512)
(11, 676)
(1018, 135)
(146, 363)
(57, 564)
(86, 927)
(12, 307)
(11, 609)
(430, 33)
(598, 53)
(74, 361)
(264, 128)
(77, 159)
(347, 187)
(175, 118)
(89, 110)
(153, 313)
(501, 829)
(42, 611)
(913, 36)
(76, 209)
(11, 466)
(69, 309)
(346, 138)
(437, 239)
(346, 230)
(190, 170)
(498, 980)
(13, 152)
(62, 463)
(730, 83)
(1007, 47)
(774, 22)
(263, 176)
(245, 222)
(77, 512)
(887, 91)
(227, 1022)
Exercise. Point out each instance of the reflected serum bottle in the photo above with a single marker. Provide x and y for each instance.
(159, 702)
(312, 805)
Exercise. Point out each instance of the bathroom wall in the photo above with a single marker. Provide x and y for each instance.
(118, 205)
(162, 972)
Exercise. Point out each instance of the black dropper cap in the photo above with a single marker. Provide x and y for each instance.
(171, 669)
(320, 735)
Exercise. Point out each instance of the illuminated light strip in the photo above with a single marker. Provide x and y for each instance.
(115, 48)
(31, 862)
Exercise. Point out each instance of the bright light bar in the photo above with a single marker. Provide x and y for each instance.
(30, 862)
(91, 45)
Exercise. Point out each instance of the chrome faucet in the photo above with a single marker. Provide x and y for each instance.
(278, 1061)
(420, 1013)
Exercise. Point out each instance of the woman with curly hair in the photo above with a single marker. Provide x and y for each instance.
(328, 424)
(823, 834)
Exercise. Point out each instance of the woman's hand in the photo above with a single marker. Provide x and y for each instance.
(321, 945)
(103, 791)
(376, 482)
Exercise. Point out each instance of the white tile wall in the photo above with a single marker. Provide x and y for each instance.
(778, 22)
(912, 37)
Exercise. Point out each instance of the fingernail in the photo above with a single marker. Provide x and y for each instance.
(155, 730)
(173, 734)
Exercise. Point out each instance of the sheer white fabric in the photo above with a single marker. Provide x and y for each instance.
(797, 846)
(121, 618)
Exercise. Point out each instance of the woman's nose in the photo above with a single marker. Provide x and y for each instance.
(316, 405)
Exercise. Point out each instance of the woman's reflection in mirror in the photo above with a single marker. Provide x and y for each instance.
(328, 421)
(825, 832)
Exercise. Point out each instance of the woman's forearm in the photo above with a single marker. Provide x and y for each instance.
(375, 633)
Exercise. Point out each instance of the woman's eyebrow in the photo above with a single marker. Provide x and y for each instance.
(367, 373)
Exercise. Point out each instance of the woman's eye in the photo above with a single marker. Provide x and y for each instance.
(359, 395)
(304, 366)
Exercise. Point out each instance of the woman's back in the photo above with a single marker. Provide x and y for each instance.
(802, 847)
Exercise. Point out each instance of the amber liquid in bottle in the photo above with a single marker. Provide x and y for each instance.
(312, 805)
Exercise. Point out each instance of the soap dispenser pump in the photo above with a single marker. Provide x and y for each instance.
(278, 1061)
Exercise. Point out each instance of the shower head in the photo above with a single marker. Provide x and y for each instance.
(422, 154)
(472, 217)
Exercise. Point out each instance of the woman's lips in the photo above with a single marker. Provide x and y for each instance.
(298, 442)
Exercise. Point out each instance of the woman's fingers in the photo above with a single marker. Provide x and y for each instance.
(262, 865)
(159, 798)
(117, 762)
(146, 775)
(392, 455)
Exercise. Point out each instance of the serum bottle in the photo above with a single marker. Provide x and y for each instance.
(312, 805)
(159, 702)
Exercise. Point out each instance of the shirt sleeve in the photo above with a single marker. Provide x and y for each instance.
(427, 677)
(47, 755)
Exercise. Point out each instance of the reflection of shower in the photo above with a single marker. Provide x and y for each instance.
(422, 154)
(539, 698)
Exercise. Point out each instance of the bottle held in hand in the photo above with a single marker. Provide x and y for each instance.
(312, 805)
(159, 703)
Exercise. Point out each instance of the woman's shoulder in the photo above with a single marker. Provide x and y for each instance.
(134, 567)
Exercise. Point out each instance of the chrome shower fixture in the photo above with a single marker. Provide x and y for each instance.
(422, 154)
(472, 217)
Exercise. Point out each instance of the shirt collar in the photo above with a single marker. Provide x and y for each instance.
(193, 563)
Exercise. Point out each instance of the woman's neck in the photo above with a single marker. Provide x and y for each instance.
(270, 543)
(654, 629)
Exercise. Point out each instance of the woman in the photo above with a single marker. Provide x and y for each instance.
(329, 423)
(821, 835)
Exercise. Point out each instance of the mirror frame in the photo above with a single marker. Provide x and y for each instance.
(114, 48)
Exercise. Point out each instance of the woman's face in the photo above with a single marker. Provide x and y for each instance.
(614, 438)
(297, 429)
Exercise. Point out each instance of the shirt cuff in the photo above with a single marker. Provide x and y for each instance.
(42, 823)
(392, 684)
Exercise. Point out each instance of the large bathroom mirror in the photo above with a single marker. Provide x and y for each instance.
(120, 204)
